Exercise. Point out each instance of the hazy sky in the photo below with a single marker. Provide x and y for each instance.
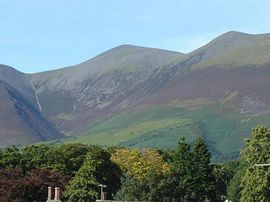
(38, 35)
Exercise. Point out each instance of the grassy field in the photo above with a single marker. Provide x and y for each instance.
(162, 126)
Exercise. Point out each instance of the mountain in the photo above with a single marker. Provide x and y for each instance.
(232, 63)
(21, 121)
(78, 96)
(141, 97)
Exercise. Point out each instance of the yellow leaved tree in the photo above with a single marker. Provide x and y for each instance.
(139, 163)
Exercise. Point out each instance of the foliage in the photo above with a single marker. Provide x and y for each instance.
(256, 180)
(131, 189)
(15, 186)
(83, 187)
(167, 154)
(190, 178)
(10, 158)
(34, 156)
(233, 188)
(204, 181)
(97, 169)
(222, 178)
(139, 163)
(183, 174)
(154, 188)
(146, 175)
(65, 158)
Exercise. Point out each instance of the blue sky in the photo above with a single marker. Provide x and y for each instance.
(48, 34)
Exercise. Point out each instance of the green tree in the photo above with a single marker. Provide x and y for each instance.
(202, 172)
(67, 158)
(233, 188)
(96, 169)
(155, 187)
(34, 157)
(84, 186)
(10, 158)
(181, 176)
(222, 177)
(256, 180)
(132, 189)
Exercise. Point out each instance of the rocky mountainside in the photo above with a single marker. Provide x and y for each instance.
(21, 121)
(137, 96)
(78, 96)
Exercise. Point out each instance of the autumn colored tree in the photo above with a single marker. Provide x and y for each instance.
(142, 170)
(138, 163)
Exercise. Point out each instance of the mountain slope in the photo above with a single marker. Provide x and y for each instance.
(234, 49)
(140, 97)
(191, 96)
(75, 96)
(21, 120)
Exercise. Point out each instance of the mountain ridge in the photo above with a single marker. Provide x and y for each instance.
(138, 96)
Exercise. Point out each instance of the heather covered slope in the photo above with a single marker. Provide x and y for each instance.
(216, 81)
(21, 120)
(75, 96)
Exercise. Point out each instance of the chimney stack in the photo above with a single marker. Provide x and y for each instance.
(56, 194)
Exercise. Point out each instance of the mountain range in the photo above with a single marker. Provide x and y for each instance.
(144, 97)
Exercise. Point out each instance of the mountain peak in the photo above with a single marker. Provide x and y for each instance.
(234, 33)
(229, 41)
(127, 46)
(130, 47)
(7, 68)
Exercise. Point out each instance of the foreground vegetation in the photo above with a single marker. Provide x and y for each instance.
(181, 174)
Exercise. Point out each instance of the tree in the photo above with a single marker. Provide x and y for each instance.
(192, 176)
(96, 169)
(15, 186)
(132, 189)
(182, 173)
(139, 163)
(34, 157)
(203, 178)
(234, 188)
(222, 177)
(143, 170)
(10, 157)
(83, 187)
(67, 158)
(256, 180)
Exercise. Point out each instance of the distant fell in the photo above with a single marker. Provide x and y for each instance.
(21, 121)
(145, 97)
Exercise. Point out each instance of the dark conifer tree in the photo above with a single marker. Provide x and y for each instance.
(202, 175)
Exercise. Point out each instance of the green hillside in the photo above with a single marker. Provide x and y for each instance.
(162, 126)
